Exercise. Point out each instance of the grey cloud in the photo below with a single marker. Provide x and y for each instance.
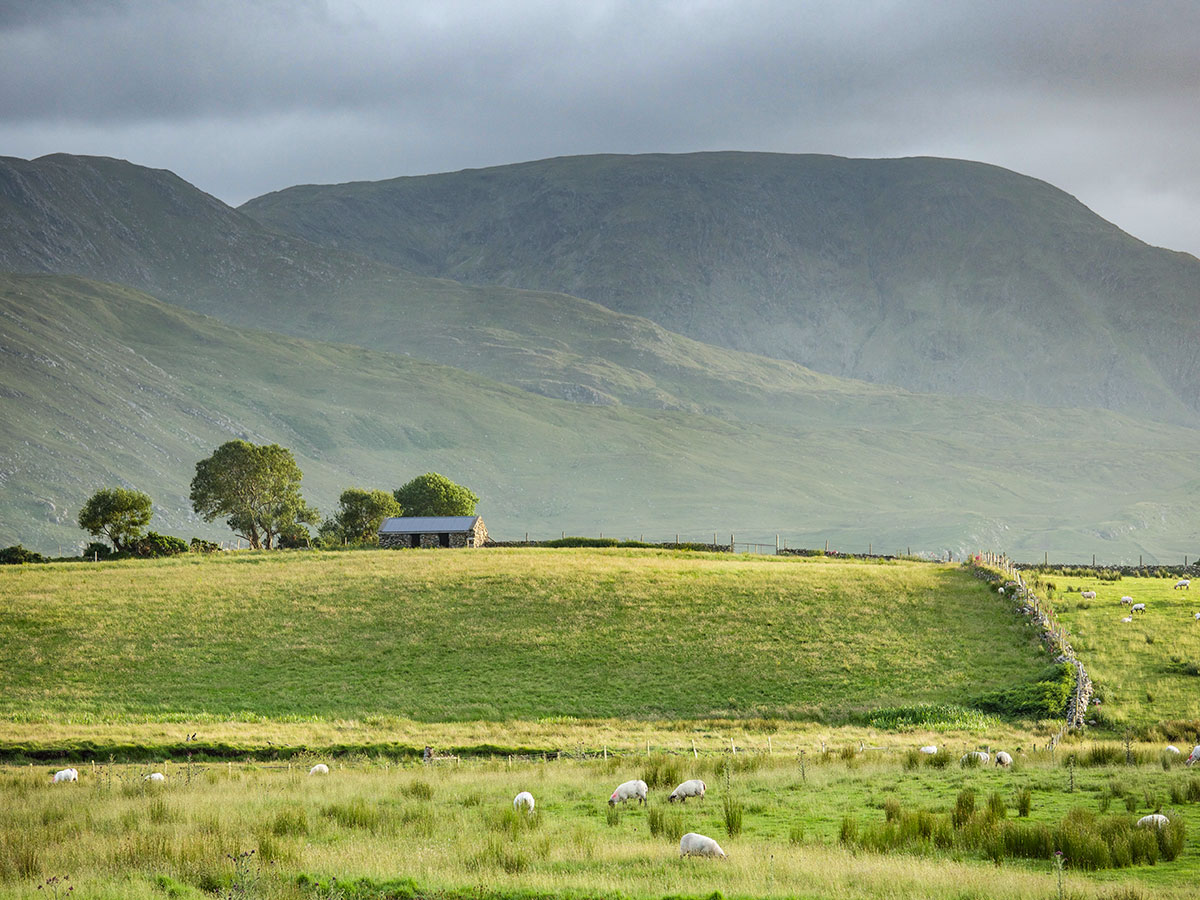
(1096, 97)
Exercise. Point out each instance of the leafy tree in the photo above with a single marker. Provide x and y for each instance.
(432, 494)
(257, 486)
(16, 555)
(117, 513)
(363, 511)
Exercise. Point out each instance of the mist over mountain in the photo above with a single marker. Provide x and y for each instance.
(932, 274)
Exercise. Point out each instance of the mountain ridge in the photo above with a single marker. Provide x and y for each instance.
(893, 271)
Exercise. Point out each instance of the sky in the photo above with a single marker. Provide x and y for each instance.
(242, 97)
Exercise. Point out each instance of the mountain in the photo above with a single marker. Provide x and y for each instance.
(932, 274)
(115, 221)
(103, 385)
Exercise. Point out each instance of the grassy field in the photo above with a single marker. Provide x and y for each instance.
(498, 635)
(1147, 670)
(271, 831)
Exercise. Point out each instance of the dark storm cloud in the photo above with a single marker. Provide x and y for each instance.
(1096, 97)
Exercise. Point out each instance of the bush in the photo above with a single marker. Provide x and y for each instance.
(199, 545)
(580, 542)
(17, 555)
(96, 550)
(1043, 698)
(731, 812)
(154, 544)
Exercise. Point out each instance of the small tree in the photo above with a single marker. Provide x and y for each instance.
(432, 494)
(256, 486)
(118, 514)
(363, 511)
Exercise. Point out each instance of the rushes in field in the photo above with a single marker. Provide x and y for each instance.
(1024, 802)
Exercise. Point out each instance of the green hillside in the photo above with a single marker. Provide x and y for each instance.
(931, 274)
(501, 634)
(104, 386)
(113, 221)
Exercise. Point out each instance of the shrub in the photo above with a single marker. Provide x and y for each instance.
(848, 833)
(200, 545)
(891, 809)
(418, 790)
(612, 816)
(17, 555)
(1045, 697)
(1171, 837)
(795, 834)
(154, 544)
(580, 542)
(96, 550)
(939, 760)
(995, 806)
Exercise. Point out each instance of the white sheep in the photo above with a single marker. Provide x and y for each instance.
(1154, 820)
(1127, 619)
(1197, 616)
(66, 775)
(1126, 600)
(1003, 759)
(692, 844)
(156, 777)
(628, 791)
(976, 754)
(319, 769)
(1171, 748)
(999, 590)
(929, 749)
(693, 788)
(1183, 583)
(523, 800)
(1138, 607)
(1088, 595)
(1194, 755)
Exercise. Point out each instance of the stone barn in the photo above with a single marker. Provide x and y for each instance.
(432, 531)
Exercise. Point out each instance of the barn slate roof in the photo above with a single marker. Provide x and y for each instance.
(427, 524)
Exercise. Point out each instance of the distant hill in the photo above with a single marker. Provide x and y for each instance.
(932, 274)
(103, 385)
(146, 228)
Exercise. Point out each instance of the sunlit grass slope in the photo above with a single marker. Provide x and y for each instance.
(1147, 670)
(445, 636)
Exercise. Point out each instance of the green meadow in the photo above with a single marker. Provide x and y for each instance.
(1147, 670)
(500, 635)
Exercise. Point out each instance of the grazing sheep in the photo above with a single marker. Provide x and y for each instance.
(1171, 748)
(976, 754)
(692, 844)
(1003, 759)
(1088, 595)
(1126, 600)
(929, 749)
(628, 791)
(319, 769)
(523, 800)
(1154, 820)
(66, 775)
(999, 590)
(156, 777)
(1194, 755)
(1127, 619)
(1183, 583)
(1197, 616)
(693, 788)
(1138, 607)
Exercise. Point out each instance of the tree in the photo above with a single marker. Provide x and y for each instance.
(118, 514)
(257, 486)
(363, 511)
(432, 494)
